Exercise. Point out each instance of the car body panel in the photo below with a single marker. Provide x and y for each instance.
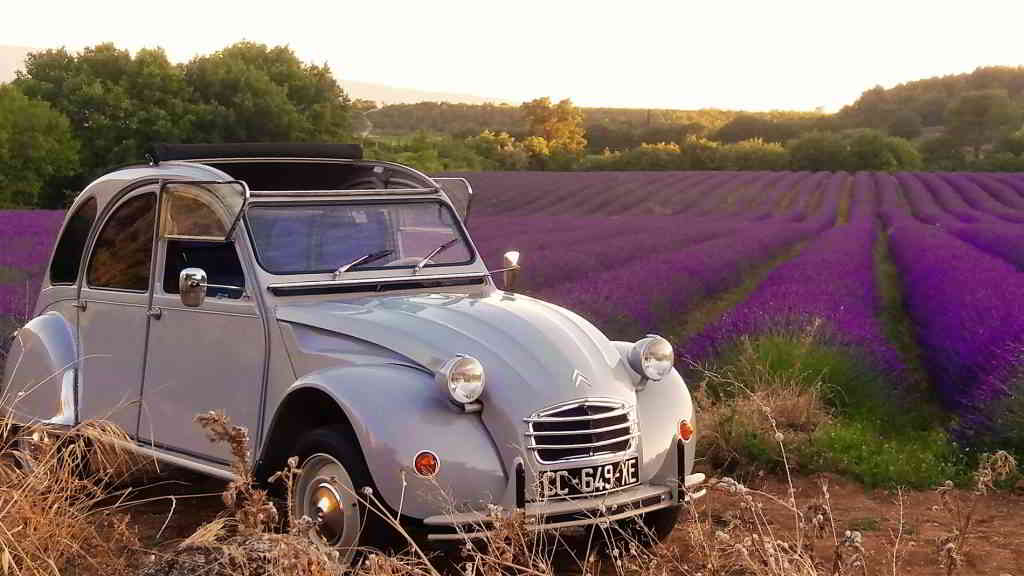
(202, 359)
(395, 413)
(112, 335)
(41, 355)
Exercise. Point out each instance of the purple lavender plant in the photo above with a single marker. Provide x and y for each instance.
(831, 281)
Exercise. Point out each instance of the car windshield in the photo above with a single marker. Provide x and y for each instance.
(305, 239)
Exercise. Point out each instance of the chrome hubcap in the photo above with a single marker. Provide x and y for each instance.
(330, 512)
(326, 495)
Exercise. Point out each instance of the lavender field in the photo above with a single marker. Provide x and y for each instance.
(774, 252)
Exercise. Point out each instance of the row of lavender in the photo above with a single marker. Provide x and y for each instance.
(958, 244)
(632, 274)
(832, 281)
(26, 238)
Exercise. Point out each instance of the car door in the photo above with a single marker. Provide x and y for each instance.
(113, 305)
(209, 357)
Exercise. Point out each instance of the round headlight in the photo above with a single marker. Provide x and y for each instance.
(652, 357)
(463, 376)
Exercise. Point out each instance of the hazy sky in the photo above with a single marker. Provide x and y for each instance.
(746, 54)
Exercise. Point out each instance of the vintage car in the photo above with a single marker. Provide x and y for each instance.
(337, 308)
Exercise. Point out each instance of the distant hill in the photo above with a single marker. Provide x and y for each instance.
(11, 59)
(385, 95)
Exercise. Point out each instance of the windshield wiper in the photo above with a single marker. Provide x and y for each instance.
(371, 257)
(423, 261)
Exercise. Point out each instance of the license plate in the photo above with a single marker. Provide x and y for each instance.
(589, 480)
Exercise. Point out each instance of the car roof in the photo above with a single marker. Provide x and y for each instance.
(272, 173)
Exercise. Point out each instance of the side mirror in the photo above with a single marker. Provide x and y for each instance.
(192, 287)
(510, 270)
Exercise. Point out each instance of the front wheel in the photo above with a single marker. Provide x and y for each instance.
(328, 490)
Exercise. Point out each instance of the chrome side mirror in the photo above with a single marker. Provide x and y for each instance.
(510, 270)
(192, 287)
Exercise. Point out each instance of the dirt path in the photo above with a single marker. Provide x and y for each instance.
(996, 545)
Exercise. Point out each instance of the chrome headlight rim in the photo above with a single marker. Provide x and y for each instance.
(652, 357)
(463, 378)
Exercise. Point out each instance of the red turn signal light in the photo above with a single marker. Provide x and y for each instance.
(426, 464)
(686, 430)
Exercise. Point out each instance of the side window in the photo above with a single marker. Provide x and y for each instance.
(218, 259)
(124, 246)
(67, 258)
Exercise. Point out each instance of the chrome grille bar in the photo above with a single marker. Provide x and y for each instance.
(621, 411)
(582, 429)
(577, 432)
(588, 445)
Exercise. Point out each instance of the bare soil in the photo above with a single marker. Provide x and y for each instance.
(996, 545)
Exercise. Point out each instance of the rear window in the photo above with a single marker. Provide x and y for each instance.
(121, 256)
(67, 258)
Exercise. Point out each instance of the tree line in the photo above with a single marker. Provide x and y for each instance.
(961, 122)
(68, 117)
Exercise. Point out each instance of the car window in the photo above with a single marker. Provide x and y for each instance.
(218, 259)
(67, 257)
(124, 247)
(190, 211)
(303, 239)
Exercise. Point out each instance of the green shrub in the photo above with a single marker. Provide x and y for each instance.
(835, 414)
(753, 155)
(817, 151)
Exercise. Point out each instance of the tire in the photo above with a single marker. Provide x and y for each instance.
(329, 490)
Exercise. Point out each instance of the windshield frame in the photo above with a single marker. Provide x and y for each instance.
(459, 228)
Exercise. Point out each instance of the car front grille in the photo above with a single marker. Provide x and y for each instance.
(582, 429)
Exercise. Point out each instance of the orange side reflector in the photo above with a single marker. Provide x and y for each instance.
(686, 430)
(426, 464)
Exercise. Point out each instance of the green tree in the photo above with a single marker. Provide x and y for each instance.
(905, 124)
(38, 153)
(560, 125)
(249, 92)
(1012, 143)
(817, 151)
(976, 118)
(872, 150)
(753, 155)
(698, 153)
(943, 152)
(501, 150)
(538, 150)
(116, 104)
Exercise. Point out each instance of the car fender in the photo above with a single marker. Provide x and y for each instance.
(40, 378)
(660, 407)
(396, 411)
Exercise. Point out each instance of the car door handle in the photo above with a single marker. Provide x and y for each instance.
(155, 313)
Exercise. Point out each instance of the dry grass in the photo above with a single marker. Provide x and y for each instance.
(55, 518)
(242, 541)
(59, 516)
(960, 508)
(743, 407)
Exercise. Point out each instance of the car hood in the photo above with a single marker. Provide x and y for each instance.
(534, 354)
